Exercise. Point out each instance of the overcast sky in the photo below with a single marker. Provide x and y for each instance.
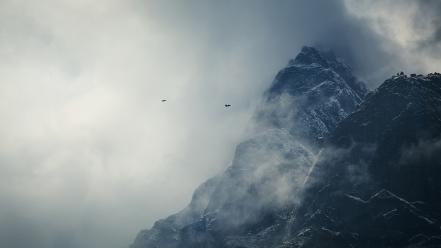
(89, 154)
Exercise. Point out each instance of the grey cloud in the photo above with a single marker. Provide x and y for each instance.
(278, 30)
(432, 43)
(409, 31)
(431, 10)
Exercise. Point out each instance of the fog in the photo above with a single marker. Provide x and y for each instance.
(89, 154)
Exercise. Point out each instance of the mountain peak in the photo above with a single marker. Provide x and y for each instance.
(311, 55)
(322, 59)
(312, 94)
(315, 61)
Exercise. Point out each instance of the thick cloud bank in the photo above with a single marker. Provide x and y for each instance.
(89, 154)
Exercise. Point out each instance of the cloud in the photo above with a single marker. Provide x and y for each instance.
(423, 153)
(409, 30)
(89, 155)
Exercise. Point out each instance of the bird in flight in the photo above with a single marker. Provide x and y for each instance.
(227, 105)
(163, 100)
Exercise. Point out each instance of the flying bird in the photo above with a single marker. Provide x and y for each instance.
(227, 105)
(163, 100)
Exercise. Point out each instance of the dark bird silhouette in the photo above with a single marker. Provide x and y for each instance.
(163, 100)
(227, 105)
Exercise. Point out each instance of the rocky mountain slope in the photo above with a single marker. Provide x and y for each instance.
(378, 183)
(322, 170)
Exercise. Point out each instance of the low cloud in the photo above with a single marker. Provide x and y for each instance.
(424, 152)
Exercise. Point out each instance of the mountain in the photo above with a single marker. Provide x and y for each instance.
(378, 181)
(259, 193)
(329, 165)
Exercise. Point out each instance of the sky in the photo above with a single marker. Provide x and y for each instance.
(89, 155)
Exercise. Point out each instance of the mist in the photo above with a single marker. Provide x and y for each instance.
(89, 155)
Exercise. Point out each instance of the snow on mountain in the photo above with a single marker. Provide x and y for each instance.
(311, 95)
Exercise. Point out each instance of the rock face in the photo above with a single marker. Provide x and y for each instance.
(311, 95)
(318, 174)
